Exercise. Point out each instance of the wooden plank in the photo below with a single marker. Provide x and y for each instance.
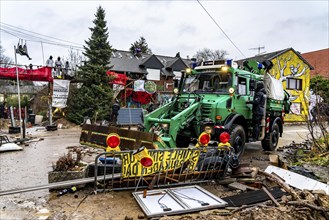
(130, 139)
(238, 186)
(271, 197)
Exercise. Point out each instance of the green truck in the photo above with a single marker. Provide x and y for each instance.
(213, 98)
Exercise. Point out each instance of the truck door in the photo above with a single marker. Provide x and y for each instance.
(241, 96)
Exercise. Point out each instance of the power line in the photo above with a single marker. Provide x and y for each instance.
(41, 34)
(32, 38)
(27, 36)
(220, 27)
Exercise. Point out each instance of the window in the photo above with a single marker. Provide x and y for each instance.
(153, 74)
(242, 88)
(208, 82)
(178, 74)
(293, 83)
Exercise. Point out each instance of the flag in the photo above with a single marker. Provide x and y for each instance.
(60, 93)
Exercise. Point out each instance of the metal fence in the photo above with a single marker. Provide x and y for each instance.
(171, 167)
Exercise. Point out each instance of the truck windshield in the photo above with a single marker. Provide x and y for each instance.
(210, 82)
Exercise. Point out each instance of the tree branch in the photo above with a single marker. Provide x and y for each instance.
(285, 186)
(314, 207)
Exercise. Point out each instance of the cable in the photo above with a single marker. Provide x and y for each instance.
(220, 27)
(41, 34)
(27, 37)
(187, 197)
(162, 205)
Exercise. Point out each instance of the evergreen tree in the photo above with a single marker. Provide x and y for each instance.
(140, 46)
(320, 86)
(93, 99)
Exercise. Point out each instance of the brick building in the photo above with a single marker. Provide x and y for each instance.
(319, 59)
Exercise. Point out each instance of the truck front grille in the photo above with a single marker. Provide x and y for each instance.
(206, 111)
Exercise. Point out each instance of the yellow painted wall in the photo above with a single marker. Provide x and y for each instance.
(290, 65)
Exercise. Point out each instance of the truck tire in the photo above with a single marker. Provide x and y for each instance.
(238, 139)
(271, 140)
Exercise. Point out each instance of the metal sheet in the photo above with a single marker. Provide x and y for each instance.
(296, 180)
(130, 116)
(178, 200)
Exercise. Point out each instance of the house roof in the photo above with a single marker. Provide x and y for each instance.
(319, 59)
(151, 62)
(272, 55)
(126, 62)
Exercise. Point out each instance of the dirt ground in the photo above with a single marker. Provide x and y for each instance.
(16, 172)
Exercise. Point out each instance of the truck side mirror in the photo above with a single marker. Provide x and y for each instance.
(252, 85)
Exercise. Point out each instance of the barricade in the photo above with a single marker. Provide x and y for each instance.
(170, 167)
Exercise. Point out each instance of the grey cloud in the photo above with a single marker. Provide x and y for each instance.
(186, 29)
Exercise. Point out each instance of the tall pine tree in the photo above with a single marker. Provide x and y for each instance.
(93, 99)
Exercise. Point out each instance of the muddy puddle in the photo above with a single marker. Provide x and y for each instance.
(30, 167)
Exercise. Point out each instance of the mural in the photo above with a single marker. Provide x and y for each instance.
(294, 74)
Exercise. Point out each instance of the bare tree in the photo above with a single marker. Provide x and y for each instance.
(317, 121)
(5, 61)
(207, 54)
(75, 59)
(219, 54)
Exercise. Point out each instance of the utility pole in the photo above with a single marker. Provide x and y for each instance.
(19, 95)
(22, 50)
(258, 48)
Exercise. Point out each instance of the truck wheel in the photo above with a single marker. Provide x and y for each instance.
(272, 139)
(238, 139)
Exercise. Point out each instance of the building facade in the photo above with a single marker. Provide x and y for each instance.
(294, 72)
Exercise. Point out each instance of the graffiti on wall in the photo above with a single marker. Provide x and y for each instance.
(294, 74)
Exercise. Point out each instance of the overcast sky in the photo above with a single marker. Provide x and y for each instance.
(168, 26)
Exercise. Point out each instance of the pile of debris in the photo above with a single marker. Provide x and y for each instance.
(271, 194)
(252, 193)
(302, 158)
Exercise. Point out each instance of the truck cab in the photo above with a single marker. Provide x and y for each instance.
(214, 97)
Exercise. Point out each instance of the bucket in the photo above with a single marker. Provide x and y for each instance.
(38, 119)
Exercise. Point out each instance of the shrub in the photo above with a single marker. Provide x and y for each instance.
(67, 162)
